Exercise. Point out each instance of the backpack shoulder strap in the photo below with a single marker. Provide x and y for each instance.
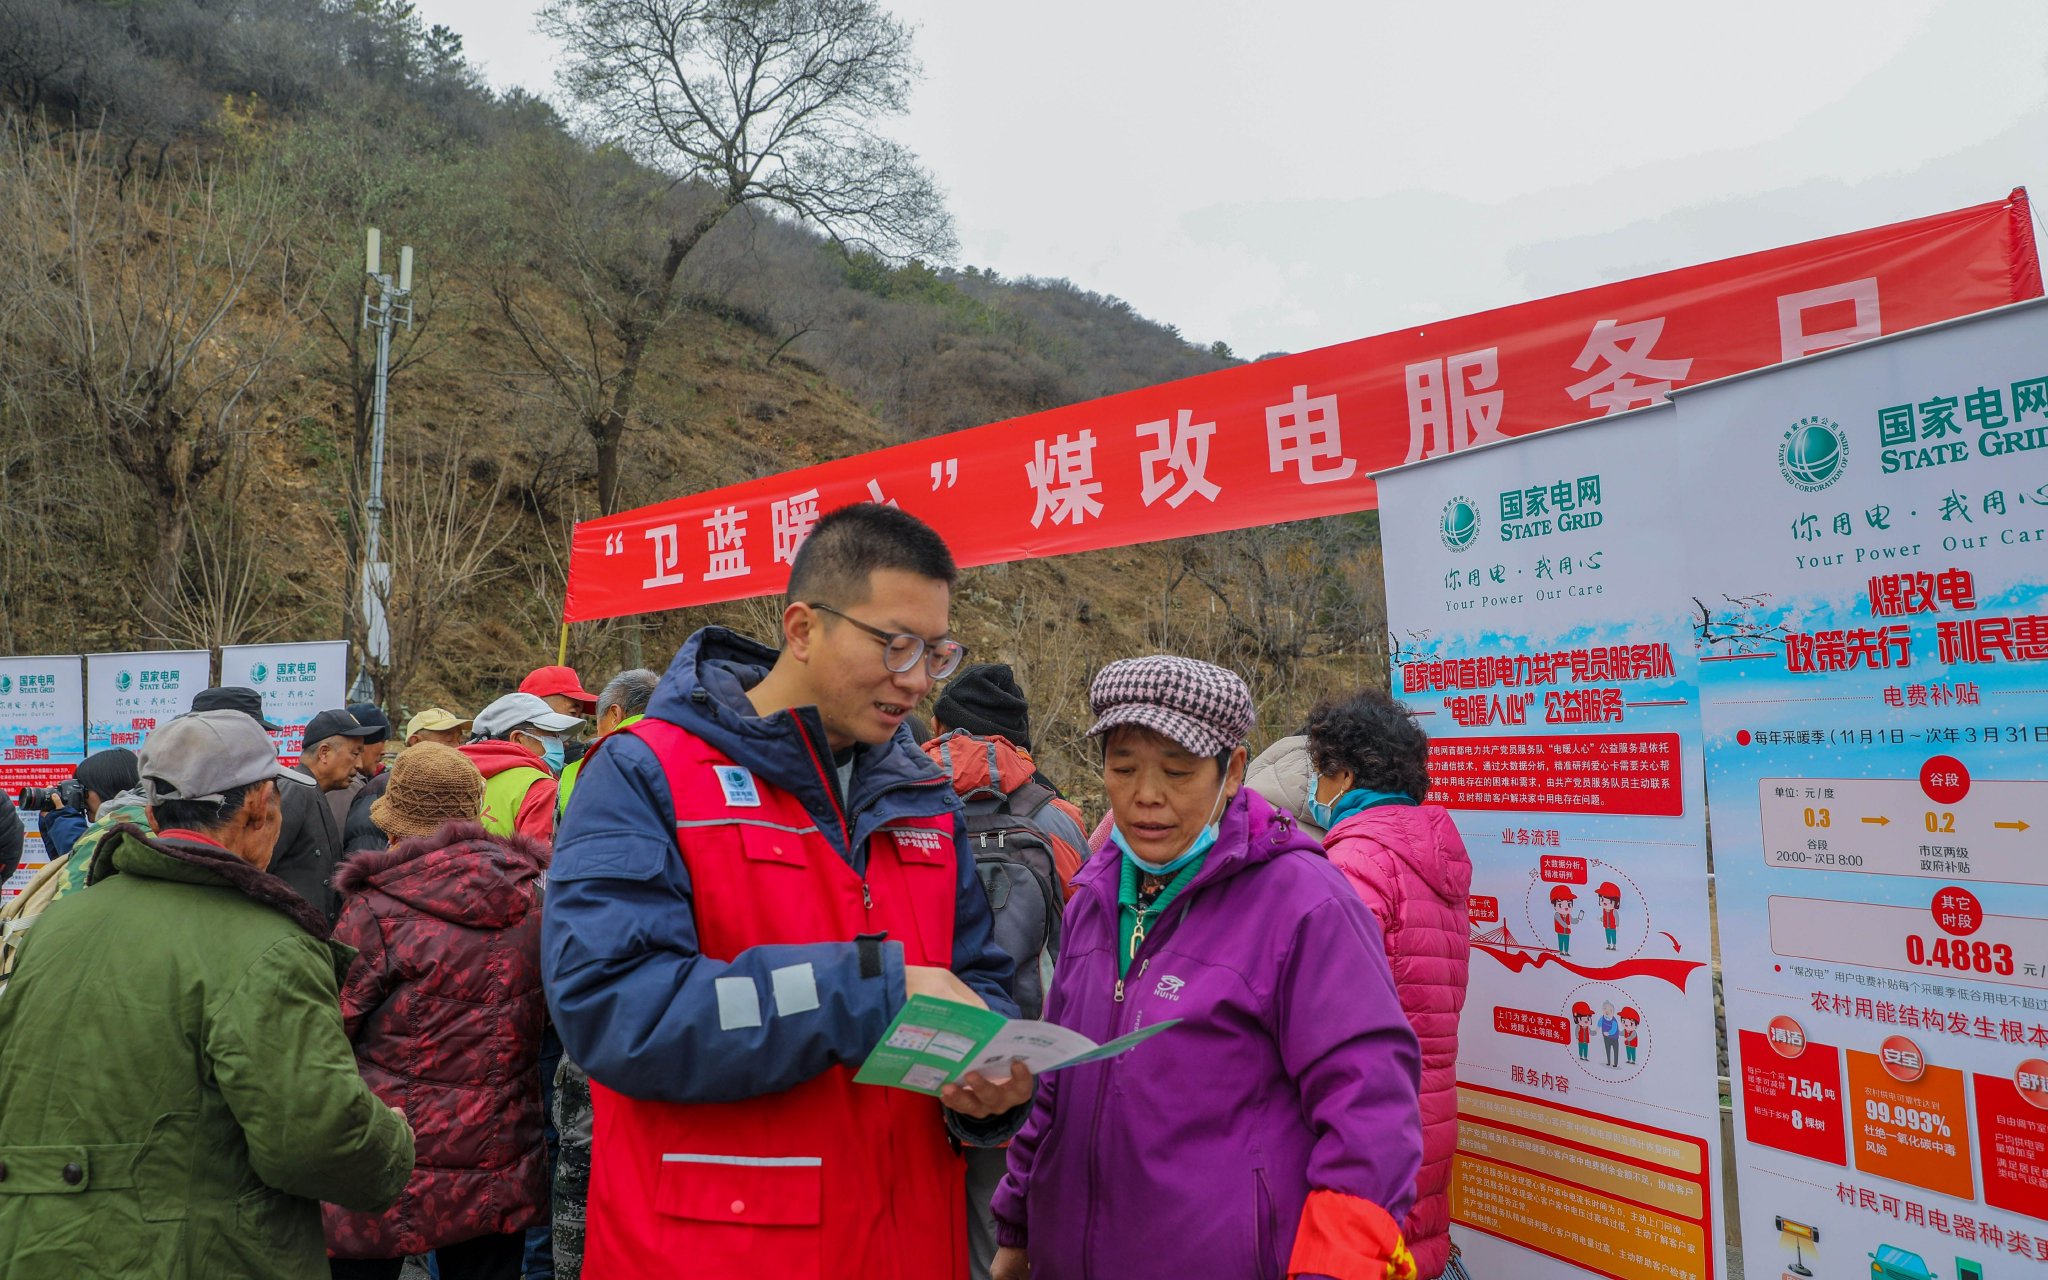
(1034, 795)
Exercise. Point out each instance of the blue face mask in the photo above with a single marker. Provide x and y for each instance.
(1356, 800)
(1204, 841)
(552, 754)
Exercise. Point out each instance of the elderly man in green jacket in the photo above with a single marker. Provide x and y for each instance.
(177, 1090)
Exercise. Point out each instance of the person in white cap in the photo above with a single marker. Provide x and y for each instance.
(520, 746)
(180, 1095)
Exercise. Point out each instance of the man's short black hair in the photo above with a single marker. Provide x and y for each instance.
(201, 815)
(837, 563)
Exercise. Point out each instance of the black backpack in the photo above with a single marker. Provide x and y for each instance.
(1014, 857)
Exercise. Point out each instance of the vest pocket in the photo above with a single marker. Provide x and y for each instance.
(744, 1215)
(930, 882)
(772, 845)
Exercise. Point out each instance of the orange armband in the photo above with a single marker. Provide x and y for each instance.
(1349, 1238)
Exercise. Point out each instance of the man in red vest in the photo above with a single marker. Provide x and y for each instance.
(752, 881)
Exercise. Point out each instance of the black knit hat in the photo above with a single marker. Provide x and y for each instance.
(108, 773)
(985, 699)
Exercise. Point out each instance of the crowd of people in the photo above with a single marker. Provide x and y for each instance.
(579, 985)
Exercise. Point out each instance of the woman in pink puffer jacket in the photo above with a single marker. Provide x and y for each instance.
(1405, 858)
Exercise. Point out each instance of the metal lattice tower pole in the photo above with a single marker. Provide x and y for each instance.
(387, 304)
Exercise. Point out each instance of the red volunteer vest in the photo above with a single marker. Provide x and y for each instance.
(827, 1178)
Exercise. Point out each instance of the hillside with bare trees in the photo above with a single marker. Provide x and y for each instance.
(599, 322)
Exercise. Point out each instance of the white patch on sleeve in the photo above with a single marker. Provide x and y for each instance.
(739, 1004)
(796, 989)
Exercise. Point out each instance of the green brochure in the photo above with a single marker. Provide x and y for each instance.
(934, 1042)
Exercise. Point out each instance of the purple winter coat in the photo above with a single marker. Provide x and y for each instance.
(1293, 1069)
(1410, 866)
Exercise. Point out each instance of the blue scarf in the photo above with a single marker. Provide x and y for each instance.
(1358, 800)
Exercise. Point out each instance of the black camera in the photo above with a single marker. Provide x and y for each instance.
(68, 794)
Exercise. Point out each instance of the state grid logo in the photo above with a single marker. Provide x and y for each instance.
(259, 673)
(6, 685)
(1459, 525)
(123, 681)
(1813, 454)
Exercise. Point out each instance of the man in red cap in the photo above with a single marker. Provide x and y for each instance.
(561, 688)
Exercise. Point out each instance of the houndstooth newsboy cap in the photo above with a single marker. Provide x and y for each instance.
(1199, 705)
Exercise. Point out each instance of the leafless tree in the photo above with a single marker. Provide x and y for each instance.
(770, 103)
(443, 547)
(161, 320)
(222, 594)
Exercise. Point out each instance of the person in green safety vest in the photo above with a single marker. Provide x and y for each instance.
(518, 746)
(621, 702)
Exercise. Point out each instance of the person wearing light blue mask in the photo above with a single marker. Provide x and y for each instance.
(1218, 913)
(519, 747)
(553, 752)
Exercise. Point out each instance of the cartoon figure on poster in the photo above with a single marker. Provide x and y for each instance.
(1607, 1018)
(1610, 910)
(1562, 900)
(1627, 932)
(1610, 1033)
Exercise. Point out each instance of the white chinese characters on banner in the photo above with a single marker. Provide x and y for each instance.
(1454, 403)
(725, 533)
(1624, 374)
(1182, 449)
(791, 521)
(1305, 434)
(668, 556)
(1063, 477)
(1796, 310)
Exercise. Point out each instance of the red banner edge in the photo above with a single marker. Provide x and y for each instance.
(2025, 281)
(2026, 267)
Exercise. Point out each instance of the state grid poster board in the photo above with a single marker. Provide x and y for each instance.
(1868, 538)
(128, 694)
(42, 740)
(1544, 645)
(296, 682)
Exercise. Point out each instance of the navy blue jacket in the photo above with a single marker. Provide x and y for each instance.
(60, 829)
(631, 993)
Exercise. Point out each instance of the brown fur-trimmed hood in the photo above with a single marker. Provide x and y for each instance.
(133, 850)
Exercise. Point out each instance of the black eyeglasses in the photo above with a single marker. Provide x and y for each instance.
(901, 650)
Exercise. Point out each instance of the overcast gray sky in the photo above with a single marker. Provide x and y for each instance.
(1325, 171)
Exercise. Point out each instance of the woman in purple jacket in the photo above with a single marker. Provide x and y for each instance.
(1275, 1131)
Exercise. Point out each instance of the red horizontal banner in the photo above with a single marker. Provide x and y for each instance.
(1300, 436)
